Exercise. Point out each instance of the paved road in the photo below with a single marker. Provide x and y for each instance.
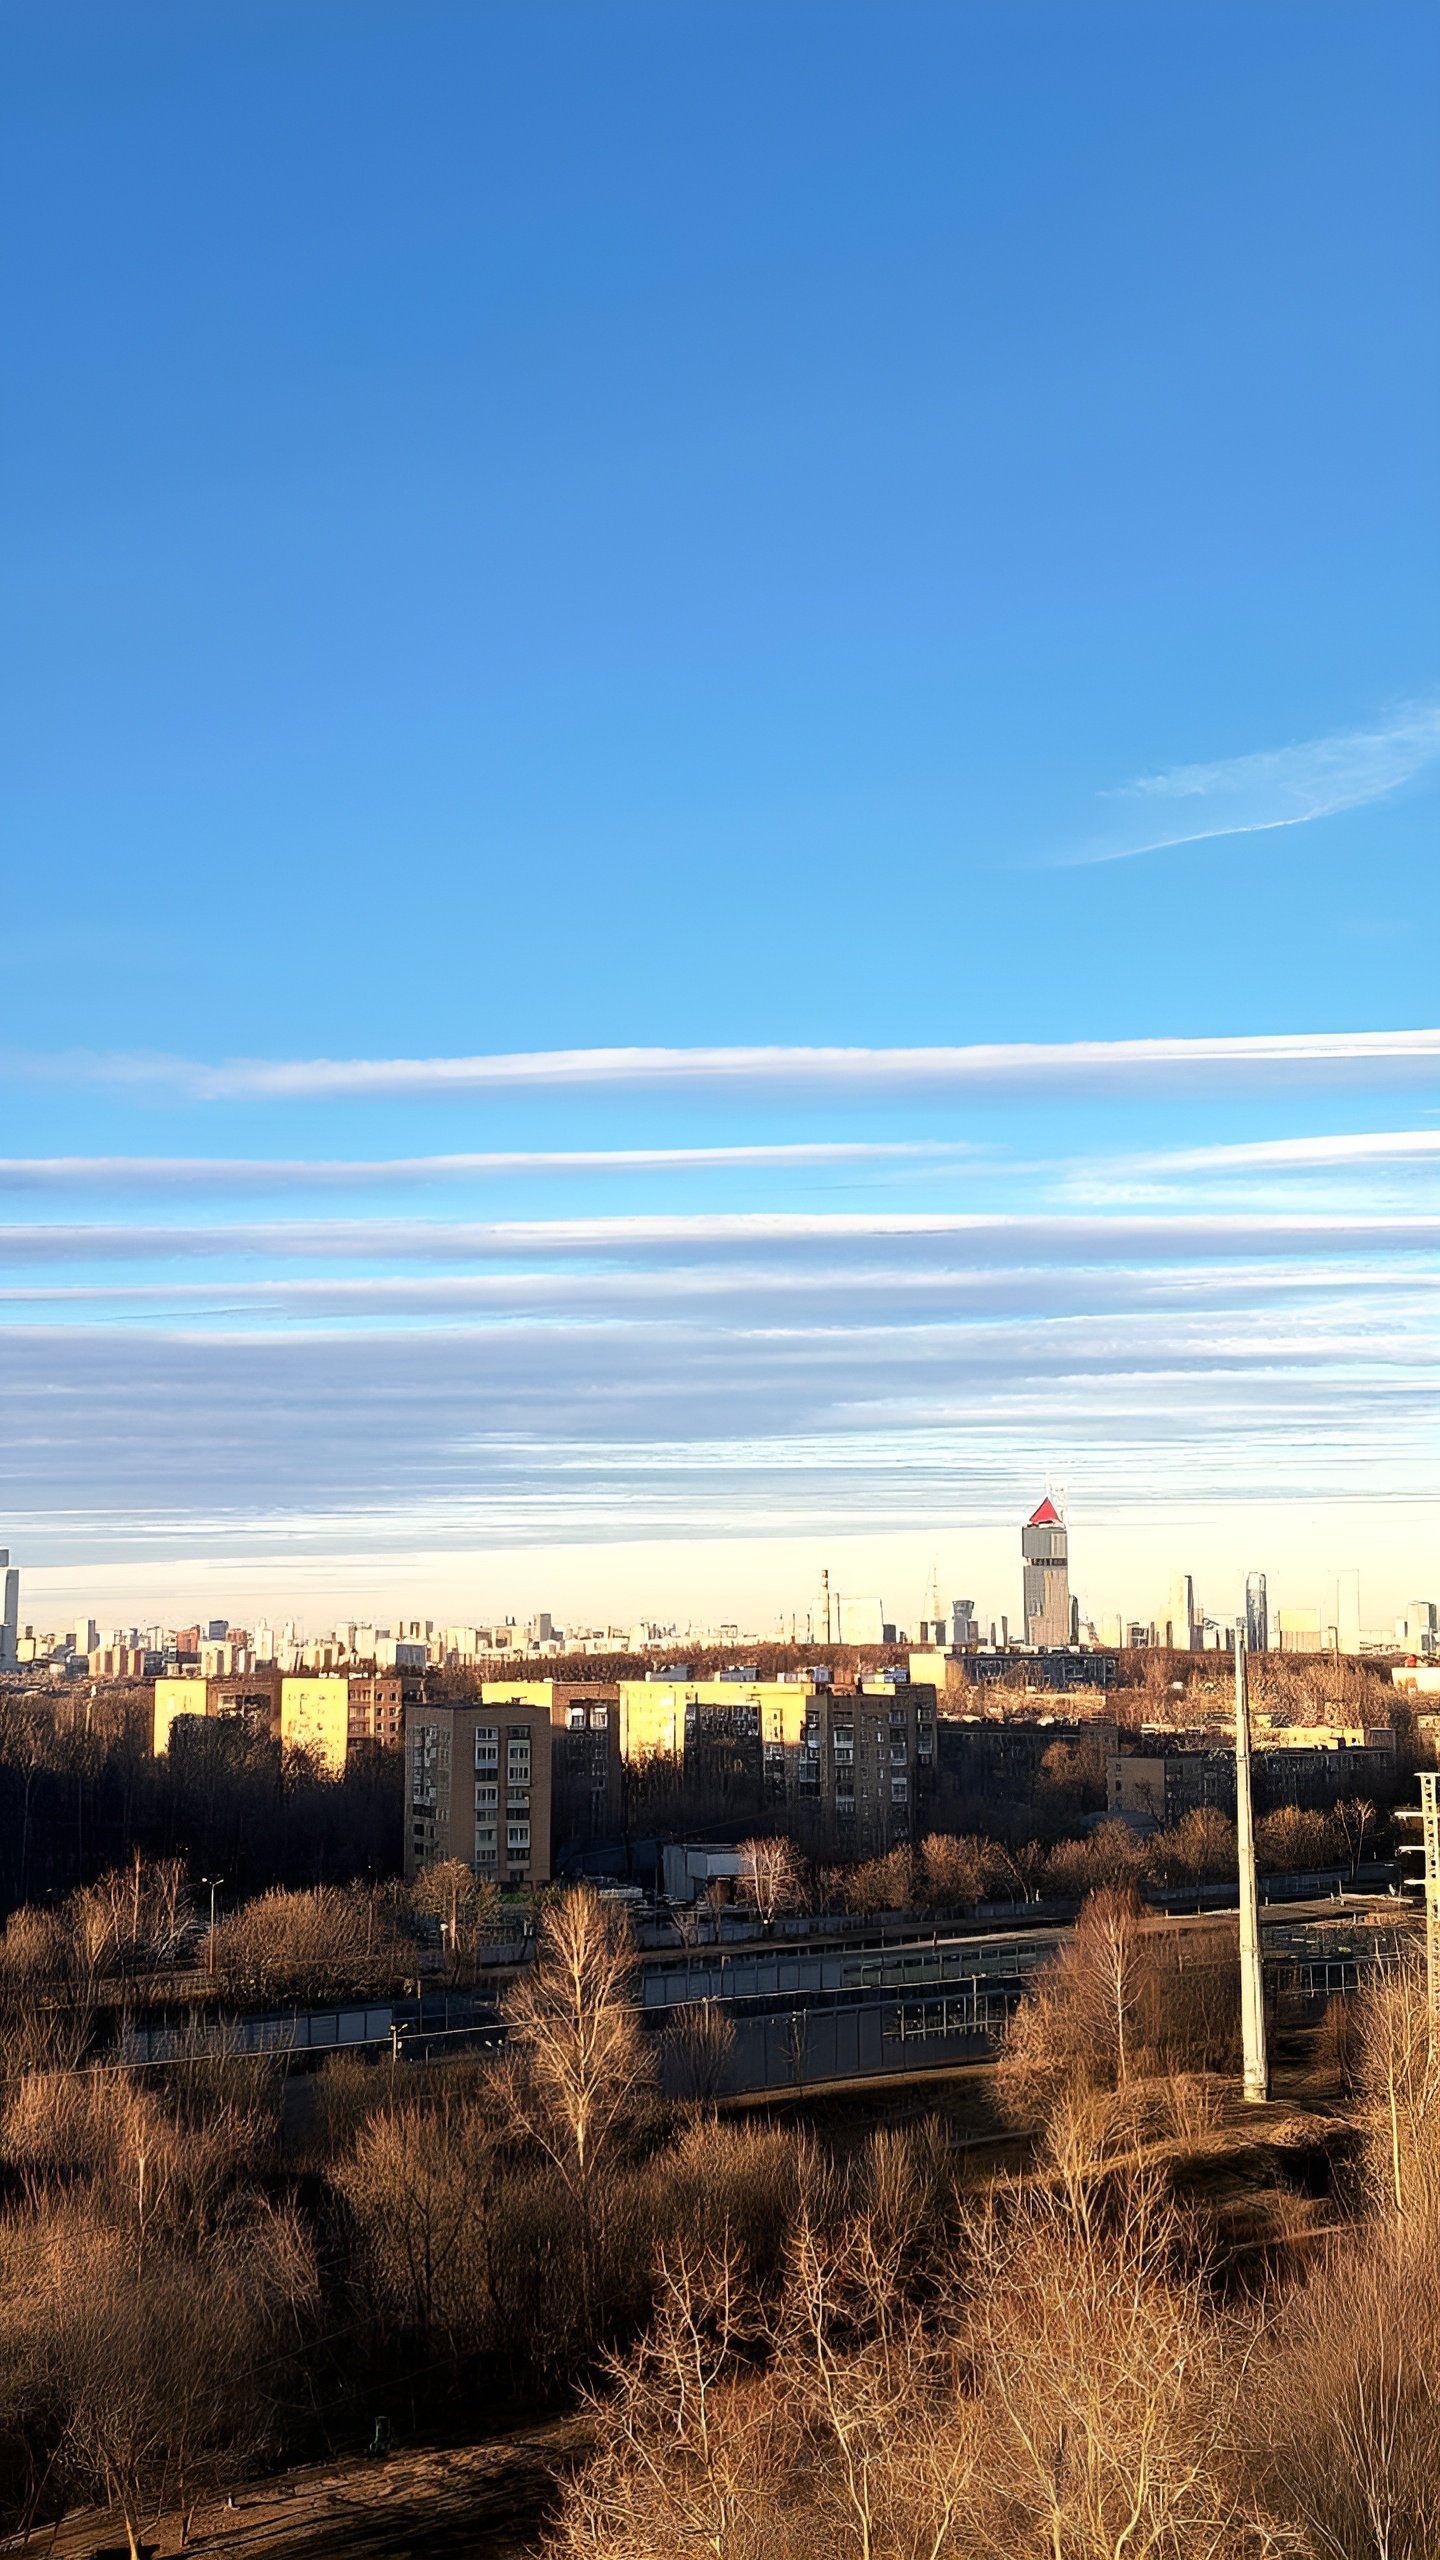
(487, 2501)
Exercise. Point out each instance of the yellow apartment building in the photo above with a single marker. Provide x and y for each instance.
(174, 1698)
(315, 1718)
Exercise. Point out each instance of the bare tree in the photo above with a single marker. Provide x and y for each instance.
(1110, 2380)
(580, 2060)
(882, 1884)
(1023, 1867)
(772, 1877)
(1399, 2080)
(688, 2462)
(165, 2374)
(1293, 1837)
(1111, 1855)
(331, 1943)
(1199, 1849)
(1077, 2025)
(132, 1917)
(421, 2185)
(957, 1870)
(1355, 1820)
(448, 1892)
(1073, 2397)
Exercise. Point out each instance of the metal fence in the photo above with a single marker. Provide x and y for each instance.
(818, 1972)
(857, 2040)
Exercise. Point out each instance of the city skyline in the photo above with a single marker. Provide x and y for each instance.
(1341, 1602)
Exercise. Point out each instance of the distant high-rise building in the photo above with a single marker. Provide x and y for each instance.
(1045, 1552)
(858, 1621)
(964, 1625)
(1419, 1629)
(1257, 1614)
(1346, 1617)
(1182, 1612)
(9, 1610)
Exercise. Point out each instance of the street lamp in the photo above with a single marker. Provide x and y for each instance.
(214, 1882)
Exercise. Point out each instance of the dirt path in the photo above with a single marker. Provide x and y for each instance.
(487, 2501)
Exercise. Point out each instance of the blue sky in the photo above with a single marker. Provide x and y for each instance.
(541, 529)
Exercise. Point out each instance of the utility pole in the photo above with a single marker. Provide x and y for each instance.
(1427, 1814)
(1252, 1978)
(1431, 1841)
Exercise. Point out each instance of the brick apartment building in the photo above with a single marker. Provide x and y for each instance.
(376, 1709)
(586, 1769)
(1306, 1765)
(867, 1762)
(327, 1714)
(477, 1783)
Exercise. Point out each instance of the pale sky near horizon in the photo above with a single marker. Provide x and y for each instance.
(719, 781)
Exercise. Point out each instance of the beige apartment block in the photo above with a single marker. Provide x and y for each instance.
(658, 1716)
(116, 1662)
(325, 1714)
(865, 1757)
(478, 1788)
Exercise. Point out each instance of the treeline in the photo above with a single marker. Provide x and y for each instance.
(225, 1799)
(141, 1934)
(141, 1938)
(1157, 1686)
(957, 1872)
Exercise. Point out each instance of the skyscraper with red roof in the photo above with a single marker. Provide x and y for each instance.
(1049, 1616)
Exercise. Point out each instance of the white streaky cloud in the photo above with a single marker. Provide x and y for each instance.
(852, 1368)
(1024, 1067)
(972, 1234)
(1279, 787)
(270, 1173)
(794, 1294)
(1278, 1155)
(560, 1433)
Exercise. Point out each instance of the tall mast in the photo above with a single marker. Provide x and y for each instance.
(1252, 1980)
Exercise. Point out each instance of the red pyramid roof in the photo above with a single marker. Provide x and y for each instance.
(1047, 1517)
